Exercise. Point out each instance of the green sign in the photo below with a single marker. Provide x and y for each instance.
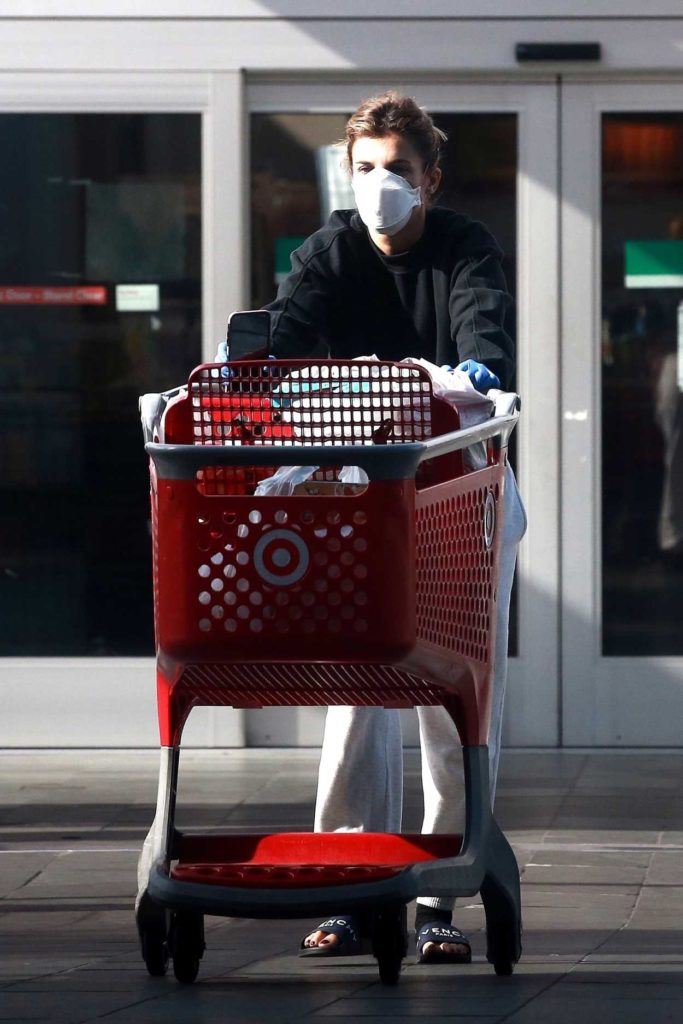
(284, 247)
(654, 264)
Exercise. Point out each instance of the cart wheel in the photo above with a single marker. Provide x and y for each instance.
(154, 950)
(503, 950)
(186, 940)
(504, 968)
(389, 943)
(185, 968)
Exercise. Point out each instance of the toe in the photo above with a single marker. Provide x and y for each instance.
(453, 948)
(319, 938)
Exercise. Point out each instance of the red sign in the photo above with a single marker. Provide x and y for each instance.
(81, 295)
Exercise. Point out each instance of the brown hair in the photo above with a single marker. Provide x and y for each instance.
(393, 114)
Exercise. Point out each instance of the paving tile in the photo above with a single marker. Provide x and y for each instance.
(564, 1007)
(231, 999)
(16, 870)
(559, 893)
(631, 941)
(569, 911)
(604, 837)
(428, 997)
(69, 1008)
(666, 868)
(476, 980)
(426, 1009)
(583, 868)
(666, 979)
(15, 967)
(525, 837)
(82, 874)
(453, 1015)
(519, 812)
(138, 985)
(631, 961)
(575, 941)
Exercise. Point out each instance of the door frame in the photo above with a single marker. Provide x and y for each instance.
(616, 701)
(533, 702)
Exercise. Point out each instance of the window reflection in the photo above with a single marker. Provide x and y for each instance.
(88, 202)
(642, 342)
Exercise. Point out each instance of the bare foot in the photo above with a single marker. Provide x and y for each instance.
(337, 936)
(452, 948)
(320, 938)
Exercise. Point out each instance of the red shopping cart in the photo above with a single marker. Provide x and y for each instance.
(379, 592)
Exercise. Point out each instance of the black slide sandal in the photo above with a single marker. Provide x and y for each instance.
(439, 932)
(346, 930)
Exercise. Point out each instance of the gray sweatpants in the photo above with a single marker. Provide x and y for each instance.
(360, 780)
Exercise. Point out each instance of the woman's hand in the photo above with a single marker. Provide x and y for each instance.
(480, 375)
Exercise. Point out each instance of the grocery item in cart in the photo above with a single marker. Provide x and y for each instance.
(300, 480)
(335, 396)
(340, 402)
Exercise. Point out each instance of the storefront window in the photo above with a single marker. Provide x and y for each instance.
(100, 301)
(642, 384)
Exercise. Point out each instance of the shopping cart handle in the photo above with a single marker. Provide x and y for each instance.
(499, 427)
(380, 462)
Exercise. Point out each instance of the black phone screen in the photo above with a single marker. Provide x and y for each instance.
(249, 334)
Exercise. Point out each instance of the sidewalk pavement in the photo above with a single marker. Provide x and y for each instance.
(599, 839)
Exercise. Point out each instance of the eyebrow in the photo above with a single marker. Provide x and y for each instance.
(399, 162)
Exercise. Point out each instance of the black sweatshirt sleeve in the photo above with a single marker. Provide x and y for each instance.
(305, 303)
(478, 305)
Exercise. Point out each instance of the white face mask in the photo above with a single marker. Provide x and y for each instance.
(385, 201)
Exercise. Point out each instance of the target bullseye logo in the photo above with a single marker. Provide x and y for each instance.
(281, 557)
(489, 519)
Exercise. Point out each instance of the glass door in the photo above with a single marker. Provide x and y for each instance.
(623, 414)
(100, 301)
(498, 168)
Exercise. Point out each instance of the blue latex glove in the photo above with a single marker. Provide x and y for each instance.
(480, 375)
(222, 357)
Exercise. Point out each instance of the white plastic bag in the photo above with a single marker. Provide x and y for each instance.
(456, 388)
(153, 409)
(353, 475)
(288, 478)
(284, 480)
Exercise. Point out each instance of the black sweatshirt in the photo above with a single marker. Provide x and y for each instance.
(444, 300)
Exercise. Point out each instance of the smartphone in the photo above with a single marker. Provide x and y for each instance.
(249, 334)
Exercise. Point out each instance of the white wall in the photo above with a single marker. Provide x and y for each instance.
(289, 9)
(260, 37)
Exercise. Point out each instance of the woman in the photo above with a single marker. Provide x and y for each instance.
(400, 277)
